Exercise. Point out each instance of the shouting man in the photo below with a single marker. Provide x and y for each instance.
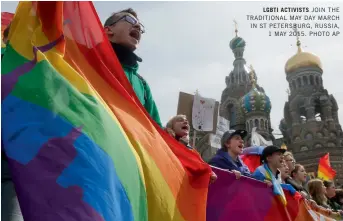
(124, 31)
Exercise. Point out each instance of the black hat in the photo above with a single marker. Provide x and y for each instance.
(229, 134)
(268, 151)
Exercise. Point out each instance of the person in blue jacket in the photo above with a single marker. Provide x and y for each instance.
(228, 156)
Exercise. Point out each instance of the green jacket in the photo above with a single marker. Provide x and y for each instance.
(142, 89)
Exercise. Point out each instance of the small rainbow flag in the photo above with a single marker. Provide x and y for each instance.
(325, 170)
(80, 145)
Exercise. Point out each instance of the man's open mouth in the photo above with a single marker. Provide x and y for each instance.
(135, 34)
(185, 127)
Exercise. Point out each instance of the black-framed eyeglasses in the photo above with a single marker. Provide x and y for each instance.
(131, 20)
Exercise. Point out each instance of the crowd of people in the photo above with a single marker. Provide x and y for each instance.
(278, 167)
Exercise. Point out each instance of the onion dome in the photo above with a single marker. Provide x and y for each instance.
(302, 60)
(237, 42)
(255, 100)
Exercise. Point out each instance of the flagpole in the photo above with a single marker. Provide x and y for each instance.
(194, 136)
(194, 130)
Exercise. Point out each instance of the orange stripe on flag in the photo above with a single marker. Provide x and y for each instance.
(325, 171)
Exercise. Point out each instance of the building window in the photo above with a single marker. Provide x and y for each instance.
(262, 123)
(251, 125)
(330, 144)
(333, 135)
(317, 146)
(305, 80)
(257, 123)
(248, 128)
(298, 82)
(311, 80)
(303, 148)
(308, 136)
(294, 84)
(317, 80)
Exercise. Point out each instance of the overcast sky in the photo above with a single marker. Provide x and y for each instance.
(186, 47)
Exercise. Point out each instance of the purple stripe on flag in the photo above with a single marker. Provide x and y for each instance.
(50, 45)
(243, 199)
(8, 81)
(59, 203)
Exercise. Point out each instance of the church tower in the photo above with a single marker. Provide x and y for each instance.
(239, 84)
(310, 126)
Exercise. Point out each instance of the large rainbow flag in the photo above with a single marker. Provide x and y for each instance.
(247, 199)
(79, 144)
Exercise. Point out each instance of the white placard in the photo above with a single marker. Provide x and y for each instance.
(203, 113)
(223, 125)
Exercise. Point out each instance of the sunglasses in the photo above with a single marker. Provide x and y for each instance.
(131, 20)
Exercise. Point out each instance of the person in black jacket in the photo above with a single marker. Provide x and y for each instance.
(330, 194)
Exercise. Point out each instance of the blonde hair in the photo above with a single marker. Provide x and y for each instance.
(170, 130)
(287, 153)
(315, 187)
(174, 119)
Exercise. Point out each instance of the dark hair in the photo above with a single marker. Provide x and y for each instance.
(296, 169)
(328, 183)
(109, 21)
(7, 31)
(339, 196)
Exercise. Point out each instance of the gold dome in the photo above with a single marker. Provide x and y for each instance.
(302, 59)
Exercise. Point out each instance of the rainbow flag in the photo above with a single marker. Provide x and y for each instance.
(247, 199)
(325, 170)
(80, 145)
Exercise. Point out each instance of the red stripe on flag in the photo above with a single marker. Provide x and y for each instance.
(325, 168)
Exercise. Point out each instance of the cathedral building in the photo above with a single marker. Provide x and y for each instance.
(243, 102)
(310, 126)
